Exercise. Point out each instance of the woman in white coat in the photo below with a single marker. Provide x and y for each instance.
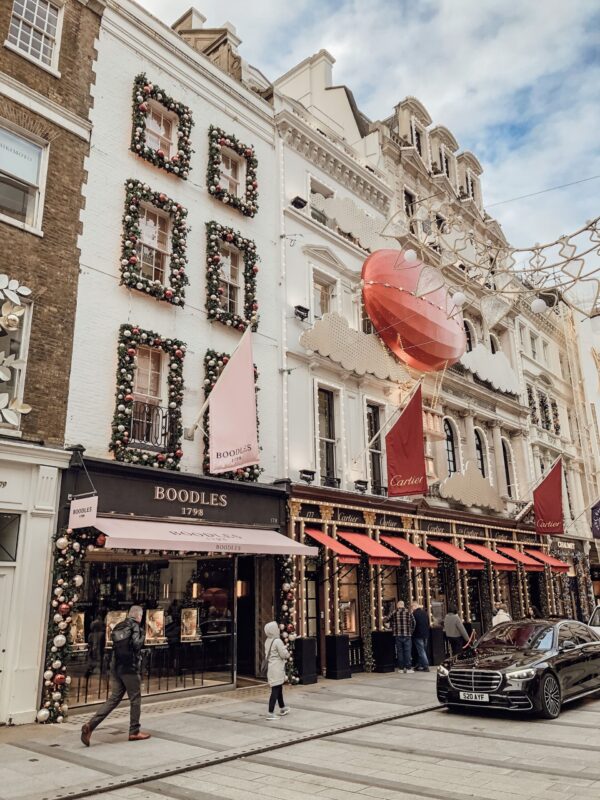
(276, 654)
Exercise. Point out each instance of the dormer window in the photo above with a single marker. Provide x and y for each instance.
(418, 141)
(470, 186)
(444, 161)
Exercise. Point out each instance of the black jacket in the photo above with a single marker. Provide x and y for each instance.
(422, 626)
(134, 663)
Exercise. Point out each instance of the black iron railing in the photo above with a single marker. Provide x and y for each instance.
(152, 427)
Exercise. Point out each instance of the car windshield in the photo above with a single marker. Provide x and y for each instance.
(595, 620)
(523, 636)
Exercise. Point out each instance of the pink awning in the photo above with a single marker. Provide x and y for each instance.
(133, 534)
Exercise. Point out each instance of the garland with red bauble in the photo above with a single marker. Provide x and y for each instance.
(213, 365)
(131, 338)
(287, 613)
(218, 140)
(136, 194)
(216, 236)
(143, 92)
(69, 549)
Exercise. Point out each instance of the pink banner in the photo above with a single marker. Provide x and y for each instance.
(547, 502)
(232, 413)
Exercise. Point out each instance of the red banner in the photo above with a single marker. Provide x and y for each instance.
(547, 503)
(404, 444)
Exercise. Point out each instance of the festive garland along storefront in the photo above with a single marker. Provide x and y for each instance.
(193, 596)
(349, 591)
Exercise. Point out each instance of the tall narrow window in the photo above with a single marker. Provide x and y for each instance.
(365, 322)
(480, 452)
(450, 447)
(20, 178)
(34, 29)
(327, 437)
(159, 129)
(231, 173)
(322, 295)
(147, 418)
(146, 385)
(494, 344)
(373, 428)
(445, 161)
(409, 203)
(534, 343)
(469, 335)
(153, 244)
(508, 468)
(229, 280)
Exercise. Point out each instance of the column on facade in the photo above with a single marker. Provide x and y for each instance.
(469, 423)
(501, 486)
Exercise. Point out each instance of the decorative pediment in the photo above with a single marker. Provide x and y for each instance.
(470, 488)
(356, 351)
(325, 256)
(493, 368)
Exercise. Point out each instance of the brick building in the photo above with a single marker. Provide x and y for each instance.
(46, 69)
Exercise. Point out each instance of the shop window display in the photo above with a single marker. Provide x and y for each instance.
(188, 616)
(348, 598)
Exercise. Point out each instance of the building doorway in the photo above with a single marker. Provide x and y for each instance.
(246, 639)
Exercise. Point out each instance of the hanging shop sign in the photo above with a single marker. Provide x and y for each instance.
(83, 511)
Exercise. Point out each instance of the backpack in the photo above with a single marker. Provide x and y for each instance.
(123, 645)
(264, 664)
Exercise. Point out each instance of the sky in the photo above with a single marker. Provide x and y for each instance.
(517, 83)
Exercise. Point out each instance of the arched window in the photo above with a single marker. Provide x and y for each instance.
(508, 467)
(494, 343)
(480, 452)
(469, 333)
(450, 447)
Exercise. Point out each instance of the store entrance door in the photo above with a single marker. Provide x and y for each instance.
(246, 616)
(6, 580)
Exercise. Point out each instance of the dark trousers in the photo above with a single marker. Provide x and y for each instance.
(119, 684)
(404, 652)
(276, 697)
(456, 644)
(421, 646)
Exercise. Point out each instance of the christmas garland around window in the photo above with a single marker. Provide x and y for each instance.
(143, 93)
(555, 417)
(216, 236)
(69, 549)
(545, 411)
(287, 613)
(137, 194)
(218, 140)
(213, 366)
(131, 337)
(533, 411)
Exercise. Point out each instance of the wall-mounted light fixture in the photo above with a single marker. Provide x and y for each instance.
(307, 475)
(299, 202)
(301, 312)
(361, 486)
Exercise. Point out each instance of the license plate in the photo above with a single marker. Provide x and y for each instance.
(476, 697)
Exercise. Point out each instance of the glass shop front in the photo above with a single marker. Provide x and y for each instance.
(203, 611)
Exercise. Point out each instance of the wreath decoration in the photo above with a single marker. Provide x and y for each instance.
(214, 363)
(217, 141)
(143, 92)
(137, 193)
(217, 234)
(69, 549)
(130, 339)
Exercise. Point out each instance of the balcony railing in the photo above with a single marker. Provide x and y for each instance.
(152, 427)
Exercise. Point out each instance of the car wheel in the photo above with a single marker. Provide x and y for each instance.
(550, 699)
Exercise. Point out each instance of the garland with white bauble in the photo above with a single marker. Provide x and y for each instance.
(287, 613)
(218, 141)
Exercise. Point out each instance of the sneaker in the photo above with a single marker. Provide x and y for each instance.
(405, 670)
(409, 670)
(285, 710)
(272, 717)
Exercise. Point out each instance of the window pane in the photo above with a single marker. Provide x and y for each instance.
(9, 536)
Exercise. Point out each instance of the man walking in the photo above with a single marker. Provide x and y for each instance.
(403, 624)
(125, 668)
(421, 636)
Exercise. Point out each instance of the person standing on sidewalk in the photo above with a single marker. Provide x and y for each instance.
(403, 624)
(125, 669)
(421, 636)
(455, 630)
(276, 654)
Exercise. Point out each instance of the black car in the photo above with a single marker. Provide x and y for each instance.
(528, 665)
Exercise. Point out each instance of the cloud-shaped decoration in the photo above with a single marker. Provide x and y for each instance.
(352, 219)
(356, 351)
(471, 489)
(494, 368)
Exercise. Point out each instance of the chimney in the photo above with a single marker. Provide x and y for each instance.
(218, 44)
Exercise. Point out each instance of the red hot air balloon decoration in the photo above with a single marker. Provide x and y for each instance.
(420, 331)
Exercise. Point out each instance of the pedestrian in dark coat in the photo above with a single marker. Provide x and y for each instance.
(421, 636)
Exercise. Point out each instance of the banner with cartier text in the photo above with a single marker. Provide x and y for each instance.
(547, 503)
(404, 444)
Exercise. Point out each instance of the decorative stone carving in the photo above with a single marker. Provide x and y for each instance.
(494, 368)
(470, 488)
(356, 351)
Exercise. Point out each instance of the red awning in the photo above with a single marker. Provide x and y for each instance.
(530, 564)
(378, 554)
(555, 563)
(418, 557)
(498, 561)
(344, 554)
(463, 559)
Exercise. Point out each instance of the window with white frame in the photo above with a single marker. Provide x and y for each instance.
(229, 279)
(508, 468)
(153, 246)
(480, 452)
(327, 439)
(161, 127)
(375, 446)
(365, 322)
(470, 185)
(148, 376)
(22, 162)
(444, 161)
(451, 447)
(494, 344)
(13, 362)
(232, 173)
(469, 334)
(35, 29)
(534, 346)
(322, 296)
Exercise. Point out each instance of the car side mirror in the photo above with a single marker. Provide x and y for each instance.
(569, 644)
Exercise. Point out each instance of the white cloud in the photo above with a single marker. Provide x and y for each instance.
(515, 82)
